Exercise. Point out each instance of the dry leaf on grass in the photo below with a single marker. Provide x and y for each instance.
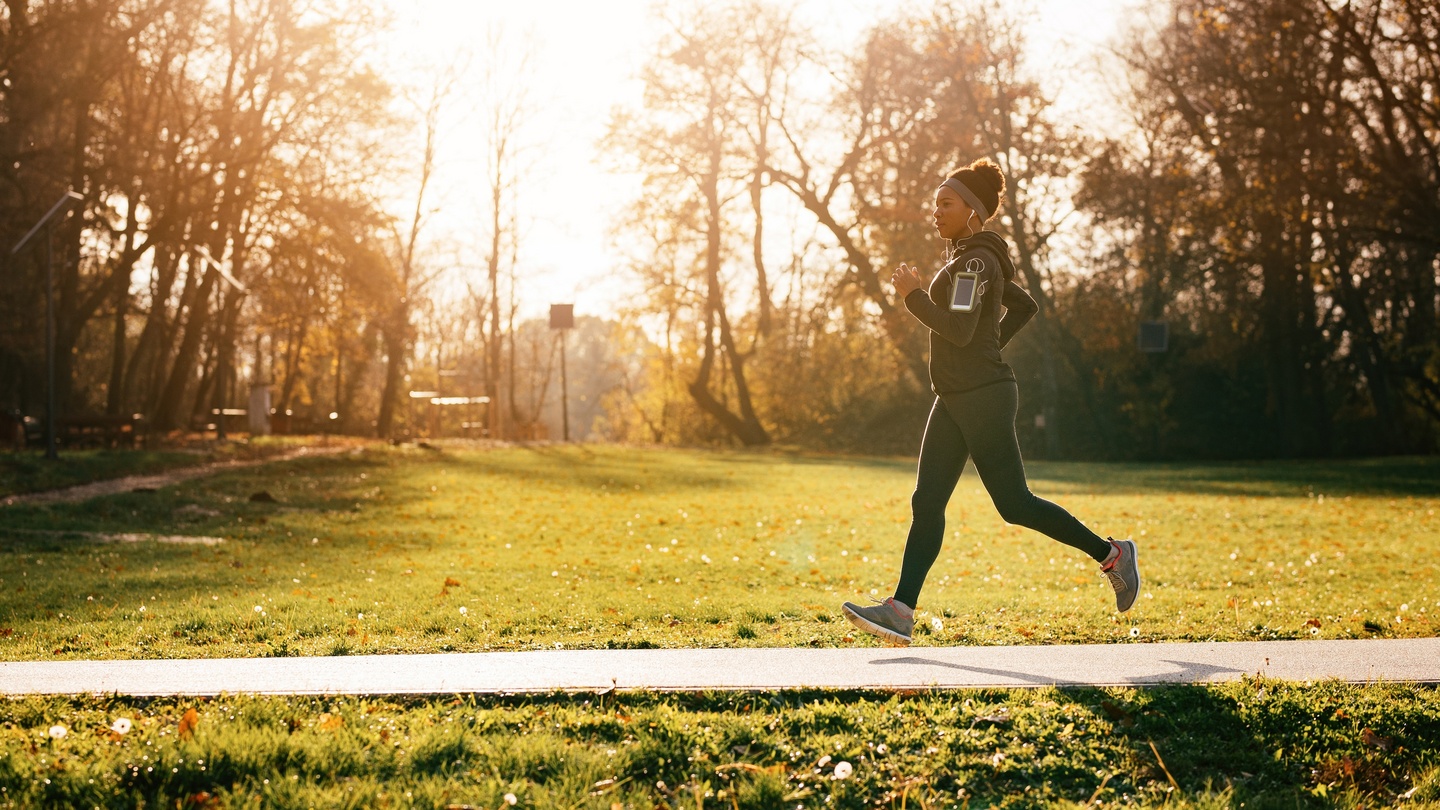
(188, 722)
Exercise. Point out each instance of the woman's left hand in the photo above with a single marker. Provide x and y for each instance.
(906, 280)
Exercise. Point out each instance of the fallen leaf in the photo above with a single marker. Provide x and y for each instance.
(451, 582)
(1117, 714)
(999, 717)
(188, 722)
(1374, 740)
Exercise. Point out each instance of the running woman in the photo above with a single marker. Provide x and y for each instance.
(976, 399)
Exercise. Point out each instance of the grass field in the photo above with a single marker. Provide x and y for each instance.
(1259, 745)
(391, 550)
(411, 550)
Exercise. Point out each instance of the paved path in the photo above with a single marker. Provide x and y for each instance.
(1415, 660)
(130, 483)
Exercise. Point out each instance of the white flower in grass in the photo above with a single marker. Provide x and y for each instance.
(1134, 632)
(142, 608)
(259, 609)
(936, 624)
(511, 800)
(122, 725)
(57, 732)
(463, 610)
(843, 770)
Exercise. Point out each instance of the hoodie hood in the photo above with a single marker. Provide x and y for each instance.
(995, 243)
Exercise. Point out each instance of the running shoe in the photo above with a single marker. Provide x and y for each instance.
(1123, 573)
(882, 619)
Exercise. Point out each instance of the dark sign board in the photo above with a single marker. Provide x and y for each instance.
(562, 316)
(1154, 336)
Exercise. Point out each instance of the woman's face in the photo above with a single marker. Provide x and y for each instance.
(953, 218)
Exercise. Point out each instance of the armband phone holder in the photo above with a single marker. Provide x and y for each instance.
(967, 289)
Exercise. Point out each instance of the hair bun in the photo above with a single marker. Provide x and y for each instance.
(986, 181)
(988, 173)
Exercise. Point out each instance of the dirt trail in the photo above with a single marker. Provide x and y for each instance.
(114, 486)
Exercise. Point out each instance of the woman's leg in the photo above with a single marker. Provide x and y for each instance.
(942, 459)
(986, 417)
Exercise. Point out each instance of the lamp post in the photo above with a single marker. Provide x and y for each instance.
(66, 200)
(562, 317)
(220, 364)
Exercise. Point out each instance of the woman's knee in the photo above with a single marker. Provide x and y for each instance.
(1018, 509)
(925, 504)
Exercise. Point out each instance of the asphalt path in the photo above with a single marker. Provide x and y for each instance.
(697, 670)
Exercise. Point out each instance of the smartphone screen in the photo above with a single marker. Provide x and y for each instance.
(963, 297)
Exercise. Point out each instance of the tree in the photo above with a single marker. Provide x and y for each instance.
(690, 141)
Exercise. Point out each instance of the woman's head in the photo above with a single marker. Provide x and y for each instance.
(968, 198)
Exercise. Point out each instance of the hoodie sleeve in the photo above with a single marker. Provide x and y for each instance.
(956, 327)
(1019, 309)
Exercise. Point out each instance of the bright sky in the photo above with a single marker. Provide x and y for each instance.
(587, 55)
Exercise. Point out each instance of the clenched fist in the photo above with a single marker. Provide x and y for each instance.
(906, 280)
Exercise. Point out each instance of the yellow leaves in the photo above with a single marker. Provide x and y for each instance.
(187, 724)
(330, 722)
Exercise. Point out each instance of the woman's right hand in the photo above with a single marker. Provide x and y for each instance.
(906, 280)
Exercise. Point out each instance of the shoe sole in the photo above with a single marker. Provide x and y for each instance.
(1135, 559)
(885, 633)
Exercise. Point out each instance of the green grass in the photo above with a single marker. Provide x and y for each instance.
(1256, 744)
(420, 551)
(30, 471)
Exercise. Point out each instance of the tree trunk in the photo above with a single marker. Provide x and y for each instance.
(182, 370)
(745, 427)
(395, 346)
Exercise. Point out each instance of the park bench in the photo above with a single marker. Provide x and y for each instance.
(17, 431)
(100, 430)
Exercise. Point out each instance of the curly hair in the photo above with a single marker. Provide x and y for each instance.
(984, 178)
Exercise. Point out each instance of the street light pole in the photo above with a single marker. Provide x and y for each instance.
(562, 317)
(66, 200)
(564, 391)
(52, 450)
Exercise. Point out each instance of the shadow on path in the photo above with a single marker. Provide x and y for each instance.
(1187, 671)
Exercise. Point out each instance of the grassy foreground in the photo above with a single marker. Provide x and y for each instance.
(391, 550)
(1256, 744)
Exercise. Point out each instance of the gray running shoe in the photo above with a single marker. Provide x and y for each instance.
(1124, 574)
(882, 619)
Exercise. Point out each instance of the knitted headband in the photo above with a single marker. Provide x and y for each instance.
(968, 196)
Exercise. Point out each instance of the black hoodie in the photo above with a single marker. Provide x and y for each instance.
(965, 346)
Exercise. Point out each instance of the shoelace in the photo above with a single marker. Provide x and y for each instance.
(886, 601)
(1116, 581)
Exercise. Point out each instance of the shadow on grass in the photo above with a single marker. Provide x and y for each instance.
(1379, 477)
(654, 470)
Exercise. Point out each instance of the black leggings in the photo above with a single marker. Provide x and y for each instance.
(979, 424)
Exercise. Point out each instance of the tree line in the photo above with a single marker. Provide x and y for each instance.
(1269, 195)
(1270, 198)
(239, 162)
